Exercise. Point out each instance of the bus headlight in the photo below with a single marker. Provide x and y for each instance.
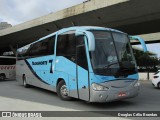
(98, 87)
(137, 84)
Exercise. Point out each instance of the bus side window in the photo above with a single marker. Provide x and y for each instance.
(61, 44)
(34, 51)
(66, 45)
(51, 44)
(47, 46)
(80, 40)
(42, 48)
(7, 61)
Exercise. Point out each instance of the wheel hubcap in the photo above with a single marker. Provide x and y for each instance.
(64, 90)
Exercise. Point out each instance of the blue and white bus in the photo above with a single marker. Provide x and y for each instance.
(94, 64)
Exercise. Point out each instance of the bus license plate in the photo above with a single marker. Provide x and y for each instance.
(121, 94)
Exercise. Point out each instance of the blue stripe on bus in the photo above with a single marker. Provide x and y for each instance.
(34, 73)
(66, 69)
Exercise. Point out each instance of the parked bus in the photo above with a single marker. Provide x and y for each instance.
(94, 64)
(7, 67)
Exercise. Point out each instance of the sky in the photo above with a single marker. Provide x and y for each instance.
(153, 47)
(19, 11)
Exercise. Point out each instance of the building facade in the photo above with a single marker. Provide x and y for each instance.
(4, 25)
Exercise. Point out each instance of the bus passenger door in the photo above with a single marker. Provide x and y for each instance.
(82, 71)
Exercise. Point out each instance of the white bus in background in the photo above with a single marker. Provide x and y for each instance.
(7, 67)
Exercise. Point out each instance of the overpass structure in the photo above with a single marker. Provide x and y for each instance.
(149, 38)
(134, 17)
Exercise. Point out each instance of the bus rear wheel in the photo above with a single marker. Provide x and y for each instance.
(62, 91)
(2, 77)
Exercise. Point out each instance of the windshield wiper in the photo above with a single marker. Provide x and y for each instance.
(107, 66)
(121, 66)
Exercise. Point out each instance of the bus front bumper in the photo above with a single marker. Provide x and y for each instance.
(114, 94)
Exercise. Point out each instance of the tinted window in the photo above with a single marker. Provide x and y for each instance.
(81, 57)
(42, 48)
(66, 45)
(22, 52)
(80, 40)
(7, 61)
(34, 51)
(81, 52)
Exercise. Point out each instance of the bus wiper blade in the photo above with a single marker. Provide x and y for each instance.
(107, 66)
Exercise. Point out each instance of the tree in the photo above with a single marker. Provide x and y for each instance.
(146, 63)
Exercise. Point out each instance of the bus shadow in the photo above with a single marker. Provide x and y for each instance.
(111, 105)
(39, 95)
(80, 104)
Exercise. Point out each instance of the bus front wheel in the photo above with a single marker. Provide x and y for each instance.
(62, 91)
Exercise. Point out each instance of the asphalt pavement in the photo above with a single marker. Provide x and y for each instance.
(14, 97)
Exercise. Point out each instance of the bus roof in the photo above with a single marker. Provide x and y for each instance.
(86, 28)
(77, 28)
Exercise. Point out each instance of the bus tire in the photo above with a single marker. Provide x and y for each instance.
(25, 82)
(62, 91)
(2, 76)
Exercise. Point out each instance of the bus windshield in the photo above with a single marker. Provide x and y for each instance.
(113, 54)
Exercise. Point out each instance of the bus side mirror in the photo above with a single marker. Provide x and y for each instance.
(137, 38)
(90, 38)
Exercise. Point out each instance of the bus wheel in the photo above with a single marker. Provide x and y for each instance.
(62, 91)
(2, 77)
(24, 82)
